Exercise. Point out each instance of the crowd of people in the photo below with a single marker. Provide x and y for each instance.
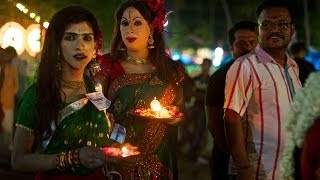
(81, 102)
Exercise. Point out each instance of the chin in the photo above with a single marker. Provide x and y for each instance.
(133, 48)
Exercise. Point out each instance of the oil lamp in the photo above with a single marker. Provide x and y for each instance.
(155, 107)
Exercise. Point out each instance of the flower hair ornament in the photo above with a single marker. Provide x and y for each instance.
(157, 7)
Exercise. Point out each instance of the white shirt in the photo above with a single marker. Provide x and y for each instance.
(257, 89)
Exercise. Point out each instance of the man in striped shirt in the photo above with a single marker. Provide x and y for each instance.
(260, 87)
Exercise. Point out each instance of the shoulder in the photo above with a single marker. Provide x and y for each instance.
(248, 58)
(105, 60)
(29, 98)
(30, 93)
(26, 113)
(244, 63)
(109, 67)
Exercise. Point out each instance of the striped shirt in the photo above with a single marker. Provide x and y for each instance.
(260, 90)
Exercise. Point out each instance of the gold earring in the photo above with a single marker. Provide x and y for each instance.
(150, 42)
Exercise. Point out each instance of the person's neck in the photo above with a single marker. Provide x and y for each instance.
(141, 54)
(72, 75)
(279, 55)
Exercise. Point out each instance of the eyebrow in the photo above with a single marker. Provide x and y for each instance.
(73, 33)
(132, 19)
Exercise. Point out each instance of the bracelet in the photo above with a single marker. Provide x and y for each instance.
(60, 163)
(68, 160)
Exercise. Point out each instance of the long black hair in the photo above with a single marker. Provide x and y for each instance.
(47, 85)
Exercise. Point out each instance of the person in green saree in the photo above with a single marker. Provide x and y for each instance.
(137, 70)
(59, 131)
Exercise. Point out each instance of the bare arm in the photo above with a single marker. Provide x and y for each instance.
(22, 157)
(236, 145)
(216, 126)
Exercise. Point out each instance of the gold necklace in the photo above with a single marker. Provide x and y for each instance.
(136, 61)
(72, 84)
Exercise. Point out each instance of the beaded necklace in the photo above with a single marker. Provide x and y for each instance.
(72, 84)
(137, 61)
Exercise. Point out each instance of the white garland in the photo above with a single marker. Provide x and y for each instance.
(304, 111)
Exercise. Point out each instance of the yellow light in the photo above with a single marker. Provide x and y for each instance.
(13, 34)
(45, 24)
(25, 10)
(32, 15)
(125, 151)
(33, 39)
(37, 18)
(20, 6)
(155, 105)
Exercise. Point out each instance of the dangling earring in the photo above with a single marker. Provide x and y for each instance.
(122, 47)
(94, 66)
(58, 64)
(150, 41)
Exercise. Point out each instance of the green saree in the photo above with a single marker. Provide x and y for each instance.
(85, 126)
(155, 140)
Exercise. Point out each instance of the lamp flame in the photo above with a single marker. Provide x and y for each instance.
(155, 105)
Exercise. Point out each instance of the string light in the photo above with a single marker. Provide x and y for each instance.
(32, 15)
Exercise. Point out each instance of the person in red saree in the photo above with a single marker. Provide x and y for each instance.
(137, 70)
(59, 129)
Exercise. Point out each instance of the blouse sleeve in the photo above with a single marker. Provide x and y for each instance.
(26, 115)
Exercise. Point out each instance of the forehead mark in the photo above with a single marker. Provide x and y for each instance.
(130, 12)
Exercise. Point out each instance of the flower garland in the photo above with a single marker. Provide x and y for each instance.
(304, 111)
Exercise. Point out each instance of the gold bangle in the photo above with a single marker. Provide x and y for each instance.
(65, 160)
(62, 163)
(69, 159)
(58, 165)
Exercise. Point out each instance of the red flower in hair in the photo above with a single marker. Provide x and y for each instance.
(157, 6)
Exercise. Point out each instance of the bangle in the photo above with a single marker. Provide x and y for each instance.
(58, 164)
(69, 157)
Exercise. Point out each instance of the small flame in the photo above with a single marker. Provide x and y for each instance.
(155, 105)
(125, 151)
